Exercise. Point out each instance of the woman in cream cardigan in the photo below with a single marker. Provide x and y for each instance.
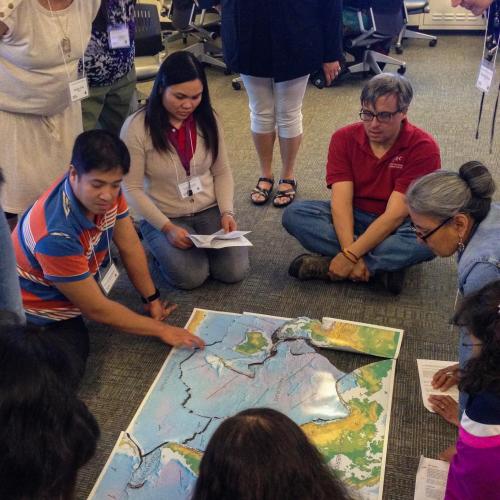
(180, 181)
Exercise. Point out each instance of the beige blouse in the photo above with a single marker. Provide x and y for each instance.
(151, 187)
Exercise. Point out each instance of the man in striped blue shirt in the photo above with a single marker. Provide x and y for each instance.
(62, 241)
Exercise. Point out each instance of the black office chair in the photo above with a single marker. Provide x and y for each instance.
(183, 15)
(149, 49)
(385, 20)
(412, 7)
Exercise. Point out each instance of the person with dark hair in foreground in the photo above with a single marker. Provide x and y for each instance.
(180, 181)
(261, 454)
(46, 432)
(453, 213)
(62, 241)
(473, 473)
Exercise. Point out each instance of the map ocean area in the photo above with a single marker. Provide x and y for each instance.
(254, 361)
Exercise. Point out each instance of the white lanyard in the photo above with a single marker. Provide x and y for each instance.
(93, 253)
(487, 67)
(454, 308)
(125, 18)
(64, 34)
(192, 151)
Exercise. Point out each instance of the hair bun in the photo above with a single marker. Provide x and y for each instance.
(478, 178)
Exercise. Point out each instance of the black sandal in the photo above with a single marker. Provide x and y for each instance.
(266, 193)
(287, 193)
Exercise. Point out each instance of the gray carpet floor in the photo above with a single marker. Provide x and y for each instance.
(121, 368)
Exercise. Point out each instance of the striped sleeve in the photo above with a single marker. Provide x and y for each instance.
(122, 207)
(61, 258)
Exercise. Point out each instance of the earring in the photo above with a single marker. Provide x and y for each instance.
(461, 246)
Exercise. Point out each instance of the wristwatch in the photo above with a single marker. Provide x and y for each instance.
(151, 298)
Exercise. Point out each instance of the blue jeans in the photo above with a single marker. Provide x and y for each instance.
(188, 269)
(311, 223)
(10, 293)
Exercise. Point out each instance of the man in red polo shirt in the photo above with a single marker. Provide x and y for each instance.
(364, 229)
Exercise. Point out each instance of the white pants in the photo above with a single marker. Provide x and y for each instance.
(276, 105)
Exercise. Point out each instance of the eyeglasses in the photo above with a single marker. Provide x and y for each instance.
(477, 344)
(382, 117)
(425, 236)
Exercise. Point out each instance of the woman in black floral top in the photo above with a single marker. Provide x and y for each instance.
(109, 66)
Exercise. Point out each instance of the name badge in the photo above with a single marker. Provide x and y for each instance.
(190, 187)
(118, 36)
(485, 77)
(79, 89)
(108, 277)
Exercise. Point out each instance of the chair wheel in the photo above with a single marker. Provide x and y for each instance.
(402, 70)
(433, 43)
(236, 85)
(399, 50)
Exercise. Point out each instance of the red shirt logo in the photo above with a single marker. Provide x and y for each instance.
(397, 162)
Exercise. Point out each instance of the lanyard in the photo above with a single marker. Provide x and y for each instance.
(124, 11)
(64, 35)
(490, 51)
(93, 252)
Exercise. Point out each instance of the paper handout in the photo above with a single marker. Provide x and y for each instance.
(426, 370)
(220, 239)
(432, 476)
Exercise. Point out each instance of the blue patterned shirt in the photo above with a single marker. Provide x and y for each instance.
(103, 65)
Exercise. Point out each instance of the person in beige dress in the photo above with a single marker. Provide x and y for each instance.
(39, 121)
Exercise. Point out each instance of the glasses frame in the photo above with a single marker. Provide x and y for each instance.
(391, 114)
(425, 237)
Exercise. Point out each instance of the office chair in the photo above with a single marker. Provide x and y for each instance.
(171, 34)
(183, 15)
(149, 49)
(385, 20)
(412, 7)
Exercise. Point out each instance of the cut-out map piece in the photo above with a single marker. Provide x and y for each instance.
(255, 361)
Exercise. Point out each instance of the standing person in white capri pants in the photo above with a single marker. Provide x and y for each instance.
(275, 45)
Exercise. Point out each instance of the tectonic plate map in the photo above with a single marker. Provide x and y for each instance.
(253, 361)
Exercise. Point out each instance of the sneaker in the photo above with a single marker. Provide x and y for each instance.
(310, 267)
(394, 281)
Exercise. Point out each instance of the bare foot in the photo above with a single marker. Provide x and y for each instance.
(445, 406)
(447, 455)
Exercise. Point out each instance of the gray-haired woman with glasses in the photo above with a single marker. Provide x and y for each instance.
(453, 213)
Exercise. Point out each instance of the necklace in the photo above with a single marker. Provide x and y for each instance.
(65, 42)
